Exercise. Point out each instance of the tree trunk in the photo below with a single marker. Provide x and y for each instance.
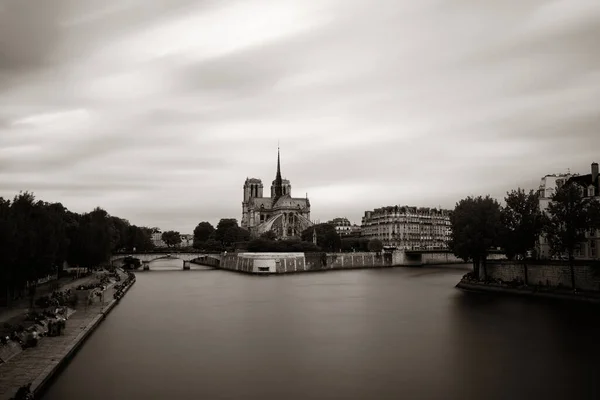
(476, 268)
(484, 269)
(525, 272)
(572, 269)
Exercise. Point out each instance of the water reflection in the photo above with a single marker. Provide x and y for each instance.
(382, 334)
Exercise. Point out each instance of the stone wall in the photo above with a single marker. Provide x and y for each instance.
(297, 262)
(355, 260)
(440, 258)
(264, 262)
(587, 277)
(281, 263)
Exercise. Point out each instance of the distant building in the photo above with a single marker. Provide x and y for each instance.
(590, 187)
(408, 228)
(187, 240)
(157, 239)
(284, 215)
(549, 184)
(355, 230)
(344, 228)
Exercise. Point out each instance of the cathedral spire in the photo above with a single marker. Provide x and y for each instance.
(278, 177)
(278, 180)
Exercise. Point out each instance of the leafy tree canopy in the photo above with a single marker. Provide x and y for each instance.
(37, 237)
(223, 226)
(171, 238)
(476, 226)
(281, 246)
(521, 222)
(202, 233)
(375, 245)
(570, 216)
(327, 237)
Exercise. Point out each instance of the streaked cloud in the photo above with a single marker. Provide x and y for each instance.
(158, 111)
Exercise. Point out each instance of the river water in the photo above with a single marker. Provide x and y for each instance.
(402, 333)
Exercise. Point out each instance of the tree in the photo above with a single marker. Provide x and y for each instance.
(213, 245)
(171, 238)
(202, 233)
(223, 226)
(327, 237)
(36, 237)
(354, 244)
(570, 216)
(139, 239)
(475, 224)
(7, 248)
(281, 246)
(375, 245)
(235, 234)
(521, 224)
(269, 235)
(119, 231)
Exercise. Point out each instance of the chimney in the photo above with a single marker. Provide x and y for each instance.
(594, 173)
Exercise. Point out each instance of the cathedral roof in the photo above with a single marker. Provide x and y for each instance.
(261, 201)
(288, 201)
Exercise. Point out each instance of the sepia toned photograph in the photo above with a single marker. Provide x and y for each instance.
(299, 199)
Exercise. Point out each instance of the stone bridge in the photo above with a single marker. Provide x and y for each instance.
(209, 259)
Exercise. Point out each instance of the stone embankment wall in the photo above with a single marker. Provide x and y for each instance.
(300, 262)
(280, 263)
(587, 277)
(449, 258)
(347, 260)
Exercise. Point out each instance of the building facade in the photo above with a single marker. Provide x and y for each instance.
(280, 213)
(590, 187)
(157, 239)
(549, 184)
(187, 240)
(344, 228)
(408, 228)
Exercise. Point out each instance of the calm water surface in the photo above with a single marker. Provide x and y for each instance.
(401, 333)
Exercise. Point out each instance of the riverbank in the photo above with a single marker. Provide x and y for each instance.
(38, 365)
(529, 291)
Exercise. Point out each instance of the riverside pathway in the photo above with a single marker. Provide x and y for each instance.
(21, 306)
(33, 365)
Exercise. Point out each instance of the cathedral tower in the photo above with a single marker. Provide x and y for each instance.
(280, 187)
(278, 182)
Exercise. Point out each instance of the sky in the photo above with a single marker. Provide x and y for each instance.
(157, 111)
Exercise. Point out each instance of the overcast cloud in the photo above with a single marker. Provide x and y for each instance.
(158, 110)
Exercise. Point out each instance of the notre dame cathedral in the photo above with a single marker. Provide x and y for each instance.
(280, 213)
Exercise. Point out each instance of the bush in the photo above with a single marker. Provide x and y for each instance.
(281, 246)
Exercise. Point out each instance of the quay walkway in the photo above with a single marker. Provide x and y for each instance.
(39, 364)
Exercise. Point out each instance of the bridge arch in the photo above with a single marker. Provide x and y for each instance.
(209, 259)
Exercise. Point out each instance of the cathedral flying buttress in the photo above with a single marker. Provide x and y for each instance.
(280, 213)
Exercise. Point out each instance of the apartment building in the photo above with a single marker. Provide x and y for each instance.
(187, 240)
(408, 228)
(590, 187)
(157, 239)
(344, 227)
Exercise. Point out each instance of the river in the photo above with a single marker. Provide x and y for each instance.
(402, 333)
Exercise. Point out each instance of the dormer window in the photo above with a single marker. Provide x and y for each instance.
(591, 191)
